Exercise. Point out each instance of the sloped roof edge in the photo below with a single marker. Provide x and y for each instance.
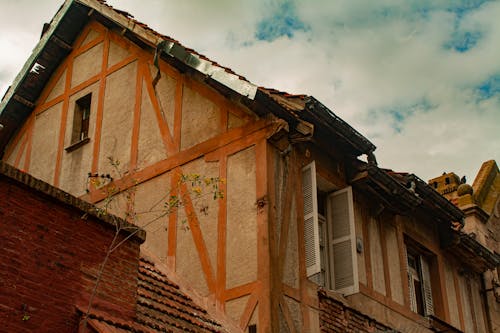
(14, 110)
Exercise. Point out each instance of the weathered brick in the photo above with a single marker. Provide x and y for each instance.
(50, 258)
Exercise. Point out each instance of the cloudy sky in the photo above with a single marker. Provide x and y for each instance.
(419, 78)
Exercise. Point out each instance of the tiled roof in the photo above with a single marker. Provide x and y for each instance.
(161, 307)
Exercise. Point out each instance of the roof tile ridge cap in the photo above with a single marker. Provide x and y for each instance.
(111, 319)
(204, 302)
(179, 313)
(147, 291)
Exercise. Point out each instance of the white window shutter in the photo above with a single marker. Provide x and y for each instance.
(426, 286)
(411, 285)
(342, 242)
(311, 230)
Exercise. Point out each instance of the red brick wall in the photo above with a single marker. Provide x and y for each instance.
(49, 257)
(339, 318)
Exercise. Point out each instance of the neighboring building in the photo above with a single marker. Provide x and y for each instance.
(307, 237)
(53, 246)
(481, 206)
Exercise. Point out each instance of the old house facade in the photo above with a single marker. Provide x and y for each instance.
(304, 225)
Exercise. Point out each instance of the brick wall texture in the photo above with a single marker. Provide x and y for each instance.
(49, 259)
(336, 317)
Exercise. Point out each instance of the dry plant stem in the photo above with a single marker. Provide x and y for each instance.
(99, 276)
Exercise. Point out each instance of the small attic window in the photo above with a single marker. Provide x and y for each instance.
(435, 184)
(81, 117)
(447, 181)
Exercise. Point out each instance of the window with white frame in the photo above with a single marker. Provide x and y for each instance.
(329, 234)
(419, 281)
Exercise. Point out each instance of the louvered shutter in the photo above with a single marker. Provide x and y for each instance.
(411, 284)
(311, 230)
(426, 286)
(342, 242)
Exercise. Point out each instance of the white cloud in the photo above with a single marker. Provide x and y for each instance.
(360, 58)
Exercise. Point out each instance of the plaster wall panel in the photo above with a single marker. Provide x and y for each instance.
(116, 205)
(44, 144)
(87, 64)
(58, 88)
(235, 307)
(291, 267)
(12, 157)
(424, 231)
(358, 225)
(313, 320)
(92, 35)
(119, 101)
(386, 316)
(116, 53)
(295, 312)
(77, 164)
(451, 294)
(478, 305)
(151, 148)
(254, 319)
(165, 91)
(234, 121)
(205, 206)
(188, 264)
(149, 206)
(466, 305)
(201, 118)
(23, 158)
(283, 326)
(394, 264)
(376, 256)
(241, 254)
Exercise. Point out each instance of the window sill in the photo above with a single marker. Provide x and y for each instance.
(77, 145)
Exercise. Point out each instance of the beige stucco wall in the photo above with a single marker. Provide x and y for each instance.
(387, 316)
(150, 198)
(87, 65)
(58, 87)
(118, 117)
(45, 142)
(195, 108)
(358, 224)
(393, 262)
(241, 252)
(77, 164)
(291, 271)
(376, 256)
(151, 148)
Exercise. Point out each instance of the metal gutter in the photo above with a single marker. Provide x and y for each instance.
(176, 50)
(219, 74)
(30, 64)
(438, 201)
(318, 114)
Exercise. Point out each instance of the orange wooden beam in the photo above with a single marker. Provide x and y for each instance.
(221, 236)
(134, 145)
(100, 105)
(199, 242)
(162, 122)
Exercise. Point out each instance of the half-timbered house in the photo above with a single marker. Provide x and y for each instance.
(310, 233)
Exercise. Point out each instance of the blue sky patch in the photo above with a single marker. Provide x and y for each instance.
(283, 21)
(489, 88)
(399, 114)
(464, 41)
